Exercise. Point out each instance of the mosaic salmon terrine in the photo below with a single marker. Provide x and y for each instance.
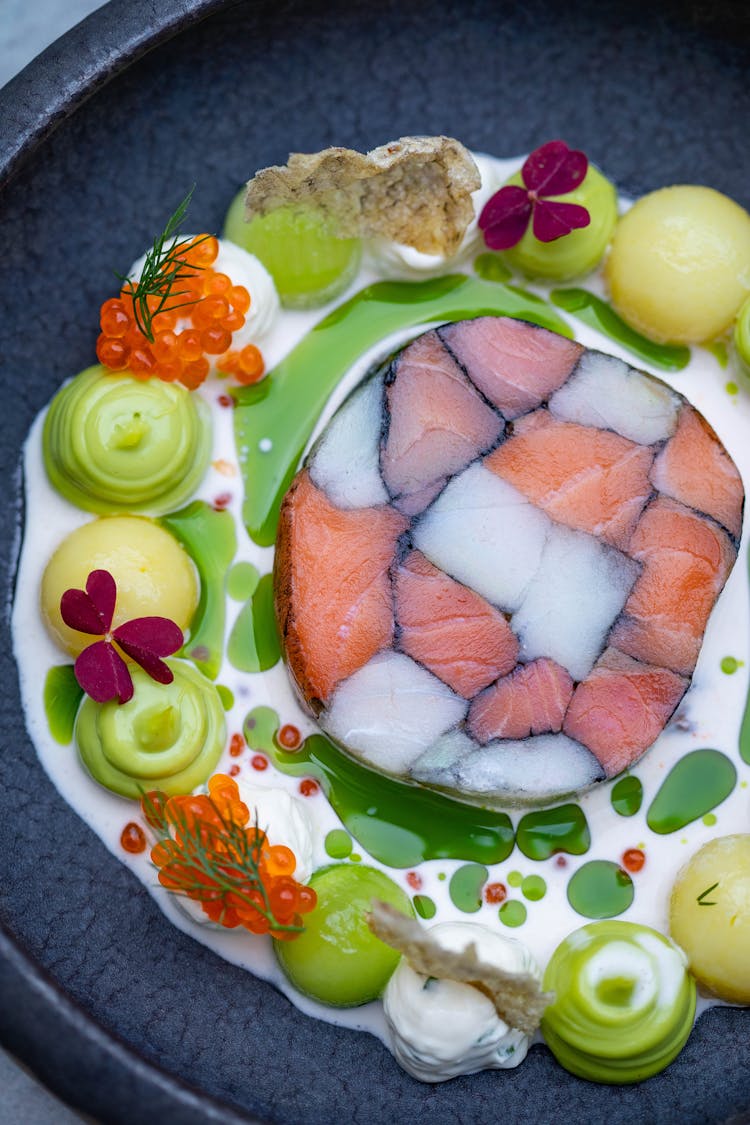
(495, 569)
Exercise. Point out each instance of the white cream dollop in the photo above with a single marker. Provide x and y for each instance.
(244, 269)
(439, 1029)
(396, 260)
(284, 819)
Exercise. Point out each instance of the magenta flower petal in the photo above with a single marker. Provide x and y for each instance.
(553, 220)
(103, 674)
(505, 217)
(145, 639)
(554, 169)
(90, 611)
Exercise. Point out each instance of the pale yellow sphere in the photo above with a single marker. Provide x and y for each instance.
(155, 576)
(679, 266)
(710, 916)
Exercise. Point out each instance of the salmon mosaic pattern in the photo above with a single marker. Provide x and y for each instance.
(494, 573)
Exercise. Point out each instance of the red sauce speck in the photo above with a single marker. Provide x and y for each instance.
(222, 500)
(633, 859)
(308, 787)
(259, 762)
(226, 401)
(236, 745)
(561, 861)
(133, 838)
(234, 770)
(495, 893)
(289, 738)
(414, 881)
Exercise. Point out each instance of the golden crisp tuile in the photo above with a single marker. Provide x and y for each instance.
(415, 191)
(517, 997)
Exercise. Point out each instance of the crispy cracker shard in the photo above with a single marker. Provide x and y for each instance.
(518, 997)
(416, 191)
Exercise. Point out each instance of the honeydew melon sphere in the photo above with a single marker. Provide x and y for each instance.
(580, 251)
(309, 265)
(155, 576)
(709, 916)
(679, 266)
(338, 960)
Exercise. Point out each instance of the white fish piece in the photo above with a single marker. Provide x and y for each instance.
(572, 601)
(484, 533)
(345, 462)
(391, 710)
(439, 763)
(544, 766)
(603, 391)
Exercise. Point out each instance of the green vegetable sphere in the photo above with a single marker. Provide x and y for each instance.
(338, 960)
(580, 251)
(309, 265)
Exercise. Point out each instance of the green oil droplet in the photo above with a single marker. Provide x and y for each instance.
(533, 888)
(563, 829)
(424, 906)
(729, 665)
(398, 824)
(338, 844)
(512, 913)
(515, 878)
(62, 697)
(699, 782)
(210, 540)
(241, 581)
(709, 819)
(226, 695)
(598, 314)
(600, 889)
(718, 350)
(466, 885)
(491, 267)
(254, 644)
(731, 388)
(442, 876)
(627, 796)
(355, 857)
(285, 406)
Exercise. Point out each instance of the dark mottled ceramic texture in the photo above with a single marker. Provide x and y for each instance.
(655, 94)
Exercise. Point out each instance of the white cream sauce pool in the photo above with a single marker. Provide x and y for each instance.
(712, 708)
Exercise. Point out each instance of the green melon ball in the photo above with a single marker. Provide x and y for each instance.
(309, 265)
(709, 916)
(679, 267)
(580, 251)
(338, 960)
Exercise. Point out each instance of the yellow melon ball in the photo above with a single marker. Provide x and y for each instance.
(679, 266)
(710, 916)
(155, 576)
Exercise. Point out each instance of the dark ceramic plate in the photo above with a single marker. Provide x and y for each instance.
(121, 1014)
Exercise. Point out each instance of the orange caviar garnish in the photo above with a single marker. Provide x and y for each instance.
(210, 852)
(188, 319)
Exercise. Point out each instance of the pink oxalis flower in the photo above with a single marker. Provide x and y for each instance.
(553, 169)
(100, 669)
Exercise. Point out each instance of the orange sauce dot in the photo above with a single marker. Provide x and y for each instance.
(414, 880)
(495, 893)
(308, 787)
(234, 770)
(226, 401)
(633, 859)
(259, 762)
(236, 745)
(289, 738)
(133, 838)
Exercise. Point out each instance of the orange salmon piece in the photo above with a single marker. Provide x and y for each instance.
(588, 479)
(695, 468)
(686, 561)
(531, 700)
(622, 708)
(452, 631)
(515, 365)
(437, 421)
(334, 602)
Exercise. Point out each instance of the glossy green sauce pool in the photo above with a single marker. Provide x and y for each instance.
(694, 786)
(627, 795)
(254, 644)
(544, 832)
(465, 887)
(600, 889)
(62, 698)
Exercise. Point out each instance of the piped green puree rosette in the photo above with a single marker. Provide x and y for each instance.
(168, 736)
(624, 1005)
(115, 443)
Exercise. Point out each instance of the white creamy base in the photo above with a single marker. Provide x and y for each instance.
(712, 709)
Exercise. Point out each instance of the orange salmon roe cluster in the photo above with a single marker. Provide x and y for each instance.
(212, 310)
(204, 854)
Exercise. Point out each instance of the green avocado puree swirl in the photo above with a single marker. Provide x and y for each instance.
(624, 1002)
(284, 407)
(114, 443)
(168, 736)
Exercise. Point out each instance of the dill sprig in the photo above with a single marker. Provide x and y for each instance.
(164, 268)
(210, 862)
